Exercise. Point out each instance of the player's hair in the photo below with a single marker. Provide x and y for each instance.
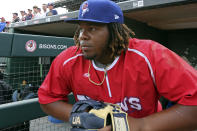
(118, 40)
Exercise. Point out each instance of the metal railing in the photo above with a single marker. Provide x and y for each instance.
(20, 111)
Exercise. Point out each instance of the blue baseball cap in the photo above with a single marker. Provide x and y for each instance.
(50, 4)
(100, 11)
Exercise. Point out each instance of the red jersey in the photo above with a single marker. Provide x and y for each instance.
(135, 80)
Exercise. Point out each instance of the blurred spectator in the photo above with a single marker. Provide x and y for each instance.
(2, 24)
(6, 29)
(23, 14)
(44, 8)
(36, 13)
(39, 10)
(51, 10)
(29, 15)
(15, 18)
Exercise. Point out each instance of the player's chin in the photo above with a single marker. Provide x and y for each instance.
(88, 56)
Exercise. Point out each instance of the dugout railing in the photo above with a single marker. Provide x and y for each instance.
(24, 63)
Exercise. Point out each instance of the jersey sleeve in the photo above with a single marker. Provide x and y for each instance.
(56, 85)
(175, 79)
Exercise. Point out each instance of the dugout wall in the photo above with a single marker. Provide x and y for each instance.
(24, 63)
(29, 56)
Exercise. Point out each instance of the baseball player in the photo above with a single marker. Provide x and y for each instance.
(109, 65)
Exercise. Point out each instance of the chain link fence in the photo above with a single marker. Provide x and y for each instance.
(20, 78)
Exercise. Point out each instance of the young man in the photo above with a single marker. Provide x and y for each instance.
(29, 15)
(44, 8)
(108, 65)
(23, 15)
(2, 25)
(36, 13)
(15, 18)
(52, 11)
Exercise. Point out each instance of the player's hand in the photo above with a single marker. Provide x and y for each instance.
(107, 128)
(93, 115)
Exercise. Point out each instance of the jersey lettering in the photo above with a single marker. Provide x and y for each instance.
(131, 102)
(82, 97)
(124, 104)
(135, 103)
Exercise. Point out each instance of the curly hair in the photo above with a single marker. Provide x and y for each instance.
(118, 40)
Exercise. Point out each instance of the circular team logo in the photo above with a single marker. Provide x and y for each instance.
(30, 46)
(84, 8)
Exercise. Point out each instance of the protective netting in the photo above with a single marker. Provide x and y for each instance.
(40, 124)
(20, 78)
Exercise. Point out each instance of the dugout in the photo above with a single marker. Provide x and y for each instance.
(25, 59)
(172, 23)
(24, 62)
